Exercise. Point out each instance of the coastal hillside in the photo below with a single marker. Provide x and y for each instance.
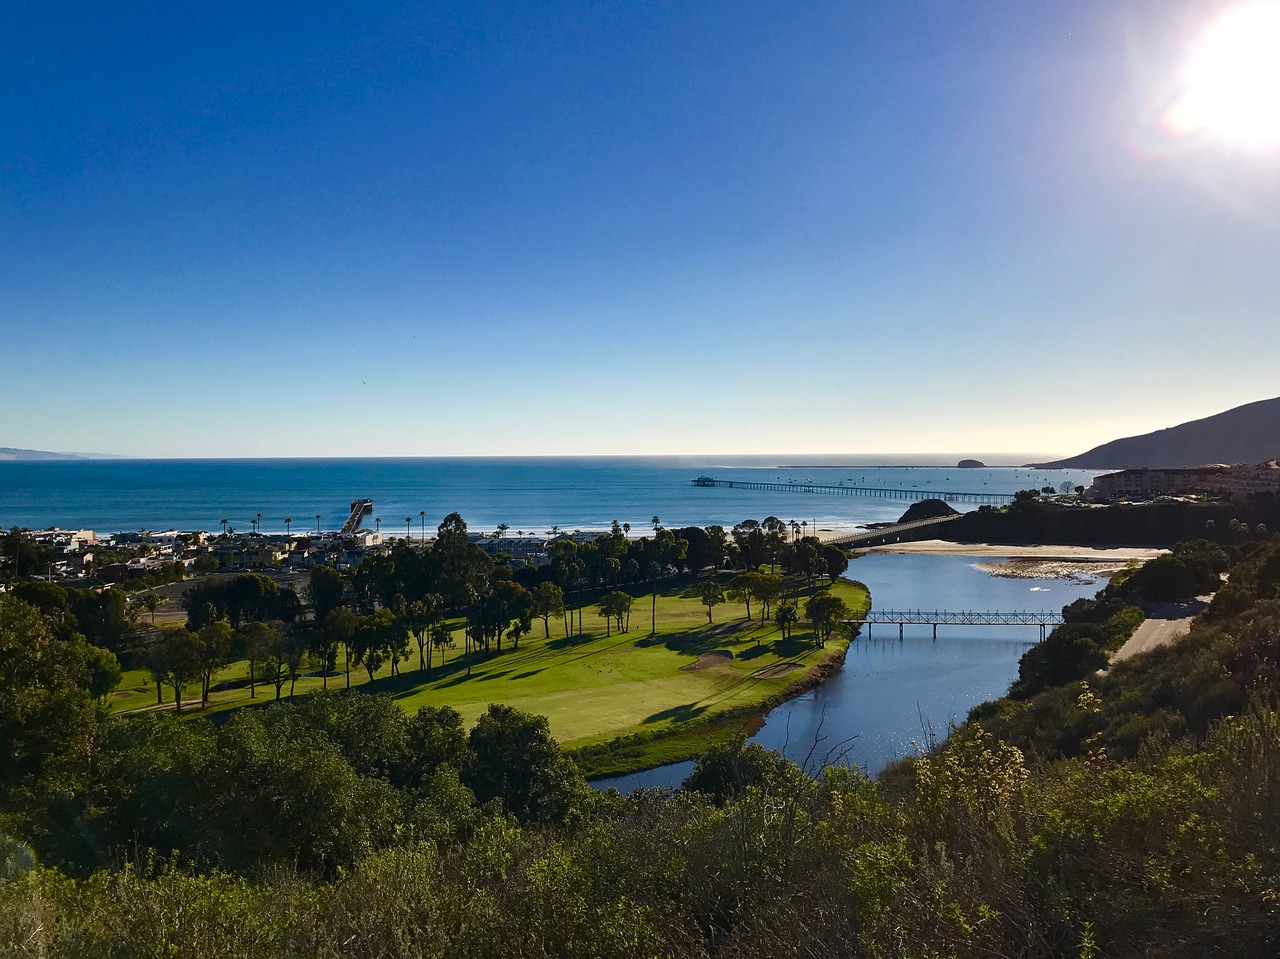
(1246, 434)
(10, 453)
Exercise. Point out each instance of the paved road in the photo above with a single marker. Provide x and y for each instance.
(1164, 624)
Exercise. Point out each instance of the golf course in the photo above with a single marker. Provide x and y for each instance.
(659, 691)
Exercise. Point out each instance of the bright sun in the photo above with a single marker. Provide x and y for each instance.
(1231, 83)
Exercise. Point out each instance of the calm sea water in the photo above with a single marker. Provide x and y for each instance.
(528, 494)
(893, 691)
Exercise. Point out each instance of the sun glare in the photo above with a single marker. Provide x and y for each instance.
(1231, 82)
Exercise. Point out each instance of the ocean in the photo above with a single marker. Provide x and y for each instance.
(528, 494)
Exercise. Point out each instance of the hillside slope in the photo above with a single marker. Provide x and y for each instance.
(1246, 434)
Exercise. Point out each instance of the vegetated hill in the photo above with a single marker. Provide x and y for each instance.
(1246, 434)
(1147, 524)
(926, 509)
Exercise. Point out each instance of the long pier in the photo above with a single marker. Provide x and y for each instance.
(840, 489)
(360, 508)
(949, 617)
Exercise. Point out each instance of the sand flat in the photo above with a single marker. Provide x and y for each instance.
(942, 547)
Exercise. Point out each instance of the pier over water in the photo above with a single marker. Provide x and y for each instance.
(360, 508)
(840, 489)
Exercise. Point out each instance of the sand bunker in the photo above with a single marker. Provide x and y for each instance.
(777, 670)
(706, 660)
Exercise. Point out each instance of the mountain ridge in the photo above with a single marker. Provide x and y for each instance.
(1242, 434)
(11, 453)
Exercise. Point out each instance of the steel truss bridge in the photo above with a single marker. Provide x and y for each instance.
(950, 617)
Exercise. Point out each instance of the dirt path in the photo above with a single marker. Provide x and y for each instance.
(1164, 624)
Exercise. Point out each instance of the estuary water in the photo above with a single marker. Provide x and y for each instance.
(527, 494)
(894, 694)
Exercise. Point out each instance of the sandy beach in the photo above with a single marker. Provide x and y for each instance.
(1079, 563)
(1103, 554)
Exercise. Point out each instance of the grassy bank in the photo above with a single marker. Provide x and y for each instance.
(620, 701)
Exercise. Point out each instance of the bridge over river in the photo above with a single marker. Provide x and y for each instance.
(950, 617)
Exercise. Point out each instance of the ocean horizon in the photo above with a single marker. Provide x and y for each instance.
(527, 493)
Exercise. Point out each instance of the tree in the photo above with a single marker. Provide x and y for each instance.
(835, 561)
(825, 612)
(742, 589)
(274, 656)
(786, 617)
(151, 601)
(336, 630)
(180, 656)
(436, 737)
(711, 595)
(255, 640)
(46, 713)
(326, 587)
(216, 641)
(420, 616)
(775, 539)
(516, 761)
(726, 770)
(373, 642)
(614, 607)
(548, 601)
(442, 639)
(284, 793)
(768, 589)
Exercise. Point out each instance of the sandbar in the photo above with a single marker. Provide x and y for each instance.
(942, 547)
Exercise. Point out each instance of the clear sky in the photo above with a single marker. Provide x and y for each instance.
(256, 229)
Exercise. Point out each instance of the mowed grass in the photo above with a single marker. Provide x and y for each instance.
(592, 687)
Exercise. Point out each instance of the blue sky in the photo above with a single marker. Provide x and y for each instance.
(491, 228)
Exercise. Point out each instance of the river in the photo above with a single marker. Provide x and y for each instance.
(893, 694)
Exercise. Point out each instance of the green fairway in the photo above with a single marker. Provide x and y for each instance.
(595, 687)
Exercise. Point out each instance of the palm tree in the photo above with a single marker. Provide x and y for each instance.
(501, 530)
(408, 522)
(317, 524)
(151, 601)
(377, 524)
(626, 530)
(656, 523)
(422, 515)
(258, 526)
(224, 526)
(288, 522)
